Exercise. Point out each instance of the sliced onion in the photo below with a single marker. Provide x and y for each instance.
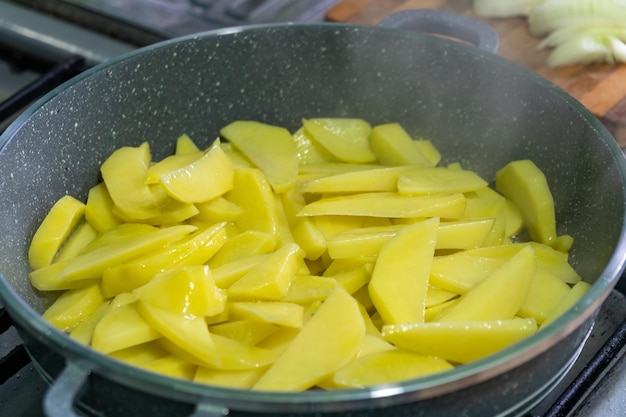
(580, 31)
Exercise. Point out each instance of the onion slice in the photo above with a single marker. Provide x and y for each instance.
(580, 31)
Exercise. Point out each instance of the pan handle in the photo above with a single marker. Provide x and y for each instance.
(206, 409)
(59, 400)
(440, 22)
(61, 397)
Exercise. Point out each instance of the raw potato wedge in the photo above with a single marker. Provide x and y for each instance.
(92, 264)
(99, 211)
(208, 177)
(184, 144)
(392, 145)
(197, 248)
(400, 278)
(387, 367)
(320, 348)
(188, 333)
(450, 206)
(346, 139)
(253, 193)
(459, 341)
(60, 221)
(271, 279)
(185, 290)
(438, 180)
(361, 181)
(72, 307)
(500, 295)
(77, 241)
(270, 148)
(523, 183)
(124, 174)
(122, 327)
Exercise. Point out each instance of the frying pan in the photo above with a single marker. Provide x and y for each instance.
(478, 109)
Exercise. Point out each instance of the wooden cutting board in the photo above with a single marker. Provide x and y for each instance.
(599, 87)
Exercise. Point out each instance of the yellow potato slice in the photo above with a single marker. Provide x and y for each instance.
(187, 332)
(227, 274)
(280, 313)
(122, 327)
(573, 295)
(346, 139)
(308, 151)
(500, 295)
(547, 257)
(99, 211)
(238, 356)
(544, 295)
(253, 194)
(92, 264)
(83, 331)
(459, 273)
(368, 241)
(438, 180)
(464, 234)
(206, 178)
(428, 149)
(140, 354)
(460, 341)
(171, 366)
(436, 296)
(243, 379)
(400, 278)
(392, 145)
(184, 290)
(388, 367)
(271, 279)
(184, 144)
(218, 210)
(320, 348)
(270, 148)
(60, 221)
(246, 331)
(525, 184)
(169, 164)
(74, 306)
(242, 245)
(118, 234)
(195, 249)
(363, 241)
(354, 279)
(331, 225)
(309, 237)
(124, 173)
(77, 241)
(359, 181)
(385, 204)
(305, 289)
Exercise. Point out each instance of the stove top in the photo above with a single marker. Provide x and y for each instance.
(146, 21)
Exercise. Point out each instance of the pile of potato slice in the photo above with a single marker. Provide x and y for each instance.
(338, 256)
